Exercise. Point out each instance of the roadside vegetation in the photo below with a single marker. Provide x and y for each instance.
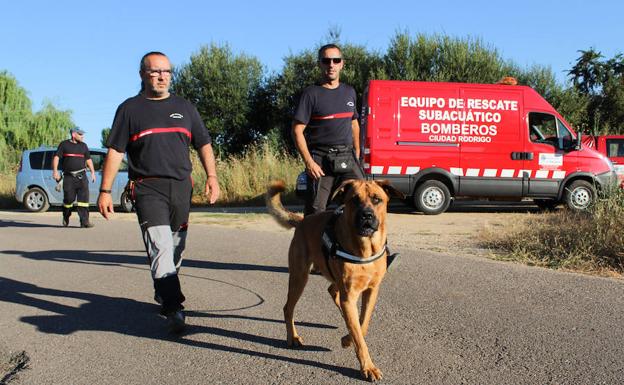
(590, 241)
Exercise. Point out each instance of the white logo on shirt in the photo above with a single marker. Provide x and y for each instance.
(350, 104)
(176, 116)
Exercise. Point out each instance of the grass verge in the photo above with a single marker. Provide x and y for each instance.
(590, 241)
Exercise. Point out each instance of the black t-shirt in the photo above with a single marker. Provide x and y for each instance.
(157, 134)
(327, 114)
(74, 155)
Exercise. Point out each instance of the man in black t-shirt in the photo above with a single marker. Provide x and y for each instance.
(76, 159)
(327, 134)
(325, 128)
(156, 129)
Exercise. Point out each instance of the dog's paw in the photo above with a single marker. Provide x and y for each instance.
(296, 342)
(346, 341)
(372, 373)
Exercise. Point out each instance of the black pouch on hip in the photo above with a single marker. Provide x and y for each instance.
(341, 162)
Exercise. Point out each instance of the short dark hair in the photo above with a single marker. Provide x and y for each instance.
(325, 48)
(142, 65)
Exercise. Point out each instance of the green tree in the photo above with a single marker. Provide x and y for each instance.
(224, 88)
(443, 59)
(20, 128)
(104, 136)
(601, 83)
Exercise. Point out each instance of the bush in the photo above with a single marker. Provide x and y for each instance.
(589, 241)
(243, 179)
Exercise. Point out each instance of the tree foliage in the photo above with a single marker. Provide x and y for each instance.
(224, 87)
(20, 128)
(601, 82)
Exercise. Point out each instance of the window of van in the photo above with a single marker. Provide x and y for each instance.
(98, 160)
(546, 128)
(615, 148)
(543, 128)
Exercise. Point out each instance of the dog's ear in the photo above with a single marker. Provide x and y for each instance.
(342, 191)
(389, 189)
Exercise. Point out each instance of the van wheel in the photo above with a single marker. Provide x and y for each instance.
(546, 204)
(36, 200)
(432, 197)
(125, 203)
(580, 195)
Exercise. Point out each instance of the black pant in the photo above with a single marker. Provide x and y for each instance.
(76, 187)
(319, 191)
(163, 207)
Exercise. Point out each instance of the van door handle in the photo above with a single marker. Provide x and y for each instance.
(522, 156)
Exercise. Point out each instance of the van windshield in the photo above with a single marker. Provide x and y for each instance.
(547, 129)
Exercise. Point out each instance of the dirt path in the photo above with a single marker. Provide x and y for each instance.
(456, 231)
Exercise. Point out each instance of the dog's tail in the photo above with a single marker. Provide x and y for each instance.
(274, 205)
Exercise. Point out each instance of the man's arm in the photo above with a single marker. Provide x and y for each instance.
(206, 155)
(92, 169)
(312, 168)
(355, 128)
(111, 166)
(55, 163)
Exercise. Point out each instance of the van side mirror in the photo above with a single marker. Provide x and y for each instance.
(578, 145)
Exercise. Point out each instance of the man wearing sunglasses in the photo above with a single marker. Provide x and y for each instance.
(156, 129)
(326, 131)
(76, 159)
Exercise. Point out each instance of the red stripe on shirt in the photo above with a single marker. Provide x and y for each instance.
(76, 155)
(334, 116)
(151, 131)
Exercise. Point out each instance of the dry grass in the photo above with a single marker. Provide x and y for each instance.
(589, 242)
(7, 191)
(243, 179)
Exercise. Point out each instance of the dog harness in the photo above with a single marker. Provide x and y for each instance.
(333, 249)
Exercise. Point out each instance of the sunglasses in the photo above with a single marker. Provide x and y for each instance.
(327, 60)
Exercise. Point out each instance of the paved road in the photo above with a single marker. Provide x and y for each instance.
(78, 301)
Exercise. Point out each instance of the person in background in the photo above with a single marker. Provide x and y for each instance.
(76, 160)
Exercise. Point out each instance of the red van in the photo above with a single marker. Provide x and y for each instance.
(612, 146)
(436, 141)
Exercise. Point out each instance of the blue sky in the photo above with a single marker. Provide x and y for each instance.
(83, 55)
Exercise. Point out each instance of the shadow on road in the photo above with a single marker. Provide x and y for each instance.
(25, 224)
(137, 319)
(113, 258)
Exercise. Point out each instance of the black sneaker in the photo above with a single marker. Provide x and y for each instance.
(176, 322)
(158, 299)
(65, 222)
(87, 225)
(392, 258)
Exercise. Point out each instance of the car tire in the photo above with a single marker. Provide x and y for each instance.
(125, 203)
(546, 204)
(432, 197)
(36, 200)
(580, 195)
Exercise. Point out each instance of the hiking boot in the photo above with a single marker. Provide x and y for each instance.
(392, 258)
(87, 225)
(176, 322)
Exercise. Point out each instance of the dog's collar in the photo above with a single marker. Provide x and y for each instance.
(333, 249)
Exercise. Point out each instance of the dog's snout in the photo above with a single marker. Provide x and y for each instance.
(367, 214)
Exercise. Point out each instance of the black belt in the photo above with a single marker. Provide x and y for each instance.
(75, 173)
(324, 150)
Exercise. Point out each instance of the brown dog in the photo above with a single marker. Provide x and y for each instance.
(360, 232)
